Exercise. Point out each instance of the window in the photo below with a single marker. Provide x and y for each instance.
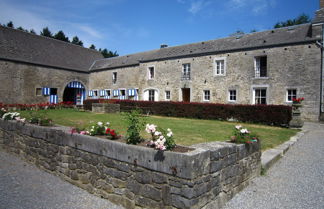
(291, 94)
(220, 67)
(151, 95)
(122, 92)
(114, 77)
(108, 92)
(95, 93)
(185, 72)
(232, 95)
(167, 95)
(260, 67)
(260, 96)
(38, 91)
(151, 73)
(206, 95)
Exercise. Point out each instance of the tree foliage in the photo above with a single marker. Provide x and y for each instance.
(107, 53)
(301, 19)
(77, 41)
(46, 32)
(10, 24)
(61, 36)
(92, 46)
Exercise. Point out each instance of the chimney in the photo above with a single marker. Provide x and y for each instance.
(165, 45)
(321, 4)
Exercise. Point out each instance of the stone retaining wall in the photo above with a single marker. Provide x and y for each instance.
(135, 176)
(105, 108)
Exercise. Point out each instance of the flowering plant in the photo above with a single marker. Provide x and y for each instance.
(101, 129)
(10, 115)
(161, 139)
(2, 111)
(243, 135)
(298, 100)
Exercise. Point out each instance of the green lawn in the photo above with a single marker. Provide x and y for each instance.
(186, 131)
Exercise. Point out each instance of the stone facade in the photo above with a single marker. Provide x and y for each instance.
(105, 108)
(19, 82)
(288, 67)
(135, 176)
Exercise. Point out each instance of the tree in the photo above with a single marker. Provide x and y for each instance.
(46, 32)
(92, 47)
(76, 41)
(22, 29)
(301, 19)
(107, 53)
(61, 36)
(32, 31)
(237, 33)
(10, 24)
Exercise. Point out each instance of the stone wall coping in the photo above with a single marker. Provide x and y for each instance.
(189, 165)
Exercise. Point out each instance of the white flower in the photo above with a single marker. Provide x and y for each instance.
(169, 134)
(107, 123)
(244, 130)
(92, 130)
(238, 127)
(161, 147)
(92, 127)
(100, 123)
(150, 128)
(169, 130)
(157, 133)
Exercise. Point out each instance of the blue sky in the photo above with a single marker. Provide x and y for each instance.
(129, 26)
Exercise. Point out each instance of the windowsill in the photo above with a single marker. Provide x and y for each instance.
(260, 78)
(232, 101)
(206, 100)
(221, 75)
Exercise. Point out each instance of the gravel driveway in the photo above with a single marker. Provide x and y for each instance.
(24, 186)
(296, 181)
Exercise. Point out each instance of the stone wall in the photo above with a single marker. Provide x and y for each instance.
(105, 108)
(18, 82)
(294, 66)
(135, 176)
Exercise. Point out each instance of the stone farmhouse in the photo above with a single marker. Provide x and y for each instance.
(268, 67)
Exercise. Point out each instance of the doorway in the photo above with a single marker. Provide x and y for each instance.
(74, 92)
(185, 94)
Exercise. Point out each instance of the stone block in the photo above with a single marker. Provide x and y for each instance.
(144, 177)
(151, 192)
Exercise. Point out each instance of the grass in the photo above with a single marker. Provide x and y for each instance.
(186, 131)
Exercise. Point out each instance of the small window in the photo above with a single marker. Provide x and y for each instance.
(167, 95)
(151, 73)
(185, 72)
(232, 95)
(53, 91)
(114, 77)
(206, 95)
(38, 91)
(291, 94)
(260, 96)
(95, 93)
(260, 67)
(122, 92)
(108, 92)
(220, 67)
(151, 95)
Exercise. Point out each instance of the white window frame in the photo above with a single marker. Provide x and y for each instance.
(106, 90)
(120, 90)
(229, 95)
(94, 95)
(149, 75)
(166, 98)
(186, 71)
(257, 67)
(40, 89)
(218, 59)
(204, 95)
(287, 94)
(260, 88)
(114, 77)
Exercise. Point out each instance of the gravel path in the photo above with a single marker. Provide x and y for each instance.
(24, 186)
(296, 181)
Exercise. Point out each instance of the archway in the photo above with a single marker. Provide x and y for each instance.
(74, 92)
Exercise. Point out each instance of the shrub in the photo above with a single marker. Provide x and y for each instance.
(135, 124)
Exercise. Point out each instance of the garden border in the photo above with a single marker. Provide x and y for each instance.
(133, 175)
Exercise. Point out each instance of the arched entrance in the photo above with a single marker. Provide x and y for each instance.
(74, 92)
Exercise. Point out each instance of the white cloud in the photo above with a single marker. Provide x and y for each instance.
(196, 6)
(255, 6)
(90, 31)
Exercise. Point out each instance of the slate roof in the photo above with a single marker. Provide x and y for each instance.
(21, 46)
(319, 16)
(275, 37)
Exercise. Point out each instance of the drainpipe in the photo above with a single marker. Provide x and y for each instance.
(322, 73)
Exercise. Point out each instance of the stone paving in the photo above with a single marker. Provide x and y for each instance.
(24, 186)
(295, 181)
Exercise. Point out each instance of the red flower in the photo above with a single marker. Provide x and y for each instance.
(112, 133)
(107, 130)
